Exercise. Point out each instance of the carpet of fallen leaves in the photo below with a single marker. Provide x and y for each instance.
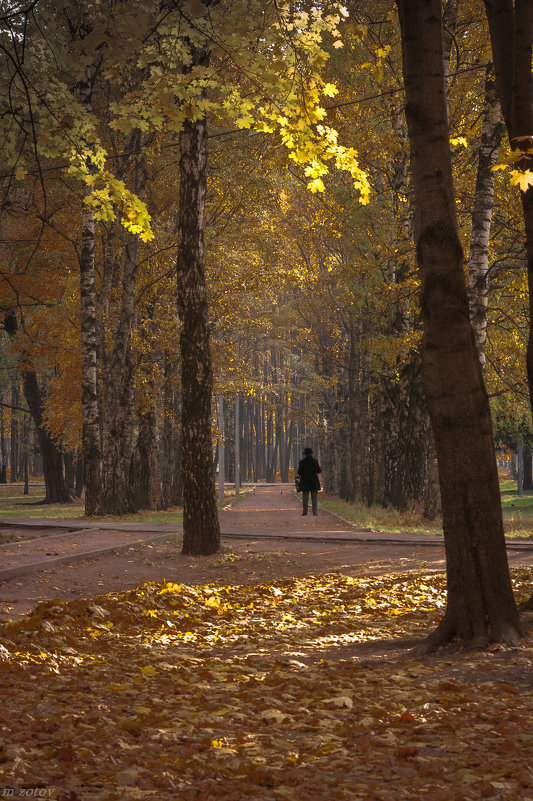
(232, 692)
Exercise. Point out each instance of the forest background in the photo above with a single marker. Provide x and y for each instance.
(313, 299)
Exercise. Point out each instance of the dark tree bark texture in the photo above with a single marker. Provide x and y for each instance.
(54, 481)
(511, 35)
(480, 603)
(201, 529)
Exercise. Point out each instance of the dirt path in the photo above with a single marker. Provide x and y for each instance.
(264, 538)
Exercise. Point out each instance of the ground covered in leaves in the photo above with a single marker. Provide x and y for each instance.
(261, 691)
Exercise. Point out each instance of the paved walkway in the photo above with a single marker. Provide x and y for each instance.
(272, 512)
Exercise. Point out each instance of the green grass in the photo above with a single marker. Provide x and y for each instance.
(13, 503)
(517, 510)
(377, 518)
(517, 515)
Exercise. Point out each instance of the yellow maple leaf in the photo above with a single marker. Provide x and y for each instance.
(330, 89)
(524, 179)
(316, 186)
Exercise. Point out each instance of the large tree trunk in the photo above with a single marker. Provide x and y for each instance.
(91, 435)
(118, 412)
(480, 603)
(54, 480)
(118, 396)
(478, 261)
(201, 529)
(511, 34)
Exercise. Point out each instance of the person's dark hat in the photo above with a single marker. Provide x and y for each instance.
(307, 451)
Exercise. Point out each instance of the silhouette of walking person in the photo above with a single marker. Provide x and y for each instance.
(308, 470)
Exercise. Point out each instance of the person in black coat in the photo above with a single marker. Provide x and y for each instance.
(308, 470)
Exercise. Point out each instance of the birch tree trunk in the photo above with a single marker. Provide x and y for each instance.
(91, 439)
(480, 604)
(478, 261)
(201, 529)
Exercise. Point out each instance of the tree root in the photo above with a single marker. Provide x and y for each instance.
(445, 635)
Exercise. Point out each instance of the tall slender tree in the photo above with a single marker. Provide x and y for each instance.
(511, 35)
(201, 528)
(480, 604)
(478, 262)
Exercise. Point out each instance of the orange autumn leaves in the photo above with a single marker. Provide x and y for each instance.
(233, 692)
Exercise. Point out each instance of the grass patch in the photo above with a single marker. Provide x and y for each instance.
(517, 510)
(517, 514)
(13, 503)
(377, 518)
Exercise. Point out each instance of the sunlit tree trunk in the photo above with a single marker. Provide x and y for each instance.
(480, 603)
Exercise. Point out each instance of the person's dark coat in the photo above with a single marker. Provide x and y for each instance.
(308, 470)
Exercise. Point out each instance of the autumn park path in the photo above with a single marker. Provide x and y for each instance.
(266, 512)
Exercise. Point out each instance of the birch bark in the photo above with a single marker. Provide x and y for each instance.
(478, 261)
(91, 439)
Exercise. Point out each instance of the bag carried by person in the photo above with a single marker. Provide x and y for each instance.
(297, 481)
